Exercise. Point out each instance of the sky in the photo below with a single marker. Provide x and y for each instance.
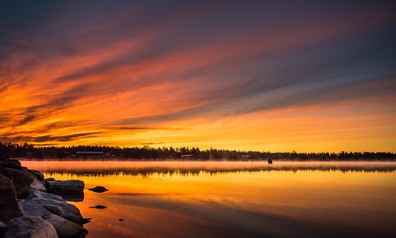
(305, 76)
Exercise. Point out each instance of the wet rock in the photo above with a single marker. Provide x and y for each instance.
(29, 227)
(37, 185)
(65, 187)
(64, 228)
(56, 205)
(37, 174)
(99, 207)
(98, 189)
(9, 207)
(21, 179)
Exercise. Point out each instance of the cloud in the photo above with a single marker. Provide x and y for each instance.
(50, 138)
(136, 67)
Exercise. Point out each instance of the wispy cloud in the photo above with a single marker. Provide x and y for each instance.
(132, 73)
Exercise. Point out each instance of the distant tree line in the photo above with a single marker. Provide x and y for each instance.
(26, 150)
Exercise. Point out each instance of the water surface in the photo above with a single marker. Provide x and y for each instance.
(234, 199)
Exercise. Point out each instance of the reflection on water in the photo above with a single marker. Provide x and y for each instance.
(101, 168)
(234, 199)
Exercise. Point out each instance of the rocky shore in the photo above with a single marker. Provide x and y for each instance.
(33, 207)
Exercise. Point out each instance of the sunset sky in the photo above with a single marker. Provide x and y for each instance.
(246, 75)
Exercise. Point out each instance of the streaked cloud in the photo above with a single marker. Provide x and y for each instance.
(199, 74)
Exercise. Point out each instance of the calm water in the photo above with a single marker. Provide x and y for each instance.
(234, 199)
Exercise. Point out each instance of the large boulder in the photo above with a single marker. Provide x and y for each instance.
(8, 202)
(64, 228)
(29, 227)
(56, 205)
(65, 187)
(21, 179)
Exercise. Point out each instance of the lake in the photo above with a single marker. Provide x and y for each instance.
(233, 199)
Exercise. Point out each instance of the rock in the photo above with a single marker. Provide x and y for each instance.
(86, 220)
(4, 157)
(37, 185)
(3, 228)
(98, 189)
(9, 207)
(99, 207)
(56, 205)
(64, 228)
(65, 187)
(43, 195)
(12, 163)
(30, 227)
(37, 174)
(33, 208)
(21, 179)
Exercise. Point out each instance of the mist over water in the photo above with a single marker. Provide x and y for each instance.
(234, 199)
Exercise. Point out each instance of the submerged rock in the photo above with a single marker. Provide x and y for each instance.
(30, 227)
(98, 189)
(9, 207)
(99, 207)
(65, 187)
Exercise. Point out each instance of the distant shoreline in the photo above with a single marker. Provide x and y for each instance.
(196, 160)
(77, 153)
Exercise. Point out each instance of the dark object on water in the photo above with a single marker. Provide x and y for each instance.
(121, 219)
(269, 161)
(98, 189)
(99, 207)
